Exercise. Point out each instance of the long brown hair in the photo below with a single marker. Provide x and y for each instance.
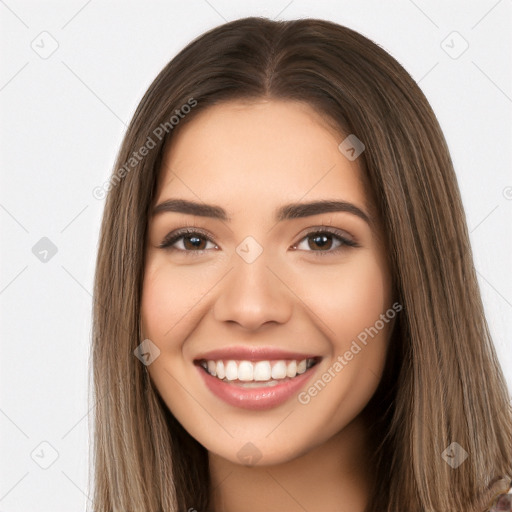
(442, 381)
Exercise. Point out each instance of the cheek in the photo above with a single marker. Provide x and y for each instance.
(168, 295)
(350, 302)
(349, 298)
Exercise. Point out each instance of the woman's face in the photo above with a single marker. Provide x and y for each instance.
(264, 285)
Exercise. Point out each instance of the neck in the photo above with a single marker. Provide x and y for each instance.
(332, 476)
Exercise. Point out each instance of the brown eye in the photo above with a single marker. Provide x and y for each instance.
(194, 242)
(190, 241)
(322, 242)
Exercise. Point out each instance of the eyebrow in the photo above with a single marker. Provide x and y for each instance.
(286, 212)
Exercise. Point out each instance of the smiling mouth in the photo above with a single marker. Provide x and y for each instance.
(256, 373)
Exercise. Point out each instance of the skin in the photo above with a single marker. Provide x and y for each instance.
(250, 159)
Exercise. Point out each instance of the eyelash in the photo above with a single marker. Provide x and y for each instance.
(172, 238)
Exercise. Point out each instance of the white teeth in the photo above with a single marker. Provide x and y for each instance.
(212, 368)
(291, 369)
(219, 370)
(231, 370)
(279, 370)
(245, 371)
(260, 371)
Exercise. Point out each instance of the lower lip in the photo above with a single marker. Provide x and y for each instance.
(255, 398)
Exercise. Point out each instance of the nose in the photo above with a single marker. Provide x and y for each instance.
(253, 294)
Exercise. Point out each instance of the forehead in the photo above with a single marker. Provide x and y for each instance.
(259, 154)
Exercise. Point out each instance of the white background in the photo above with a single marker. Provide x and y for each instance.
(62, 121)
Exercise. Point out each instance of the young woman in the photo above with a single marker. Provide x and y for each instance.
(286, 312)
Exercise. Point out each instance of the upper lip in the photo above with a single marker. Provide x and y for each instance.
(244, 353)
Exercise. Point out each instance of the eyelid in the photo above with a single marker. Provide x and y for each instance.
(327, 229)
